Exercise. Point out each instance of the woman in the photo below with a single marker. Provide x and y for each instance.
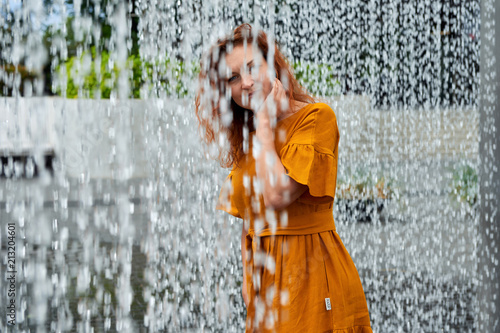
(298, 276)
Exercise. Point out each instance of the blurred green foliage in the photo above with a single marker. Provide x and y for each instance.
(17, 73)
(465, 185)
(96, 76)
(361, 183)
(318, 79)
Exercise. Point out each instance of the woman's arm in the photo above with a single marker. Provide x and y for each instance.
(279, 189)
(244, 259)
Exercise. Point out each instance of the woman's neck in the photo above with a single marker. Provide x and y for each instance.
(295, 106)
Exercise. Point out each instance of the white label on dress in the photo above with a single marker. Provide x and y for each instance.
(328, 304)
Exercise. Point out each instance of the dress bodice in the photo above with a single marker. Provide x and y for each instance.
(307, 146)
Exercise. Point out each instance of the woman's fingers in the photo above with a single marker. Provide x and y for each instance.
(244, 293)
(275, 98)
(245, 298)
(280, 93)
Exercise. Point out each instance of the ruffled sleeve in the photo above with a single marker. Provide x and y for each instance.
(226, 200)
(311, 153)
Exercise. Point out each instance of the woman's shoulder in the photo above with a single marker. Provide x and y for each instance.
(316, 112)
(311, 124)
(323, 110)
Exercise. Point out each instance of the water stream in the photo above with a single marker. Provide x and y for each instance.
(112, 196)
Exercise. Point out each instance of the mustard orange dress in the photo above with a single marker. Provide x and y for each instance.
(300, 277)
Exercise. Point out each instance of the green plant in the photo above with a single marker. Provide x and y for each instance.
(96, 76)
(21, 74)
(318, 79)
(363, 185)
(464, 185)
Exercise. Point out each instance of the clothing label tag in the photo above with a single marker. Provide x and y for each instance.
(328, 304)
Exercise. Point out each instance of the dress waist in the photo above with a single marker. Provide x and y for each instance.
(308, 220)
(312, 219)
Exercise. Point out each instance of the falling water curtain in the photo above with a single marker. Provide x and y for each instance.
(125, 234)
(402, 53)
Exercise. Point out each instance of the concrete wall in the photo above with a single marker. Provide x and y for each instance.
(404, 135)
(93, 138)
(98, 138)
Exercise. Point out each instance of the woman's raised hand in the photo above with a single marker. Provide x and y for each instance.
(276, 102)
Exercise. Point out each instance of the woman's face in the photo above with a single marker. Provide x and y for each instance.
(247, 77)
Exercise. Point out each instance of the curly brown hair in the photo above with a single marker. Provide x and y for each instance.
(212, 87)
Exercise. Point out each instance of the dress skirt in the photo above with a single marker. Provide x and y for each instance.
(304, 283)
